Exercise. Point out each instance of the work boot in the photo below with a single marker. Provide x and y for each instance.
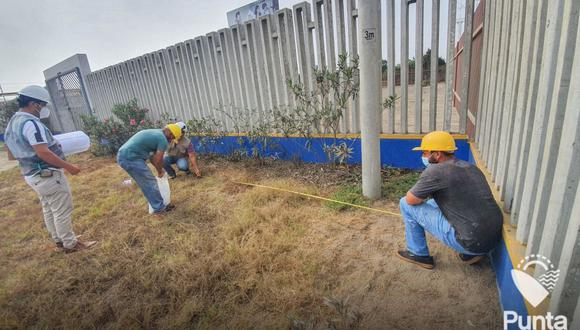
(59, 245)
(168, 208)
(80, 246)
(469, 259)
(425, 262)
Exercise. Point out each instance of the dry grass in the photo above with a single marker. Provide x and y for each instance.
(228, 257)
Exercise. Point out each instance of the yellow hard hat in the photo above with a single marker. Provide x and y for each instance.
(437, 141)
(175, 130)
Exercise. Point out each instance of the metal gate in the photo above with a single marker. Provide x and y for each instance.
(70, 101)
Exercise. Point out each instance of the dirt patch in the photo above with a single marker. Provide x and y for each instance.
(229, 257)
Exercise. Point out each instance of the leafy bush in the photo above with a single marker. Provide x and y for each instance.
(110, 134)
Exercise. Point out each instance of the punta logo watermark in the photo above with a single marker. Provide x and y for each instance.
(535, 290)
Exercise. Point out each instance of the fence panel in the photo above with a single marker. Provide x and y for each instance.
(528, 135)
(245, 68)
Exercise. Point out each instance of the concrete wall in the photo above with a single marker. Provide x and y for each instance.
(528, 131)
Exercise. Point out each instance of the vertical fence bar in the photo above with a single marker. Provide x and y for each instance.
(247, 72)
(565, 294)
(552, 219)
(481, 111)
(391, 61)
(513, 77)
(229, 51)
(329, 33)
(404, 65)
(520, 110)
(319, 32)
(434, 65)
(353, 50)
(288, 55)
(466, 68)
(174, 84)
(499, 25)
(555, 77)
(506, 51)
(341, 48)
(189, 51)
(302, 19)
(142, 71)
(267, 51)
(490, 56)
(564, 299)
(450, 69)
(220, 68)
(185, 81)
(418, 66)
(529, 151)
(238, 41)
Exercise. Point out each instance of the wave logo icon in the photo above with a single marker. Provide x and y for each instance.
(535, 290)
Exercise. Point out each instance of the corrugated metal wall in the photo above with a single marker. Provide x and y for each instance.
(528, 129)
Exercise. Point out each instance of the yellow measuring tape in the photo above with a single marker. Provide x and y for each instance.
(318, 197)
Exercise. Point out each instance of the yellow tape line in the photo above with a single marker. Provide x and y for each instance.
(318, 197)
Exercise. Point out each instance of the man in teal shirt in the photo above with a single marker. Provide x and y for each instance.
(148, 144)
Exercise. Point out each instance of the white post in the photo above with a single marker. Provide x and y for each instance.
(370, 95)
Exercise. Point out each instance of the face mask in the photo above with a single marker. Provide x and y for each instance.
(425, 161)
(44, 113)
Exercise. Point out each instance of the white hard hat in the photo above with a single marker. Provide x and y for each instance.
(181, 125)
(36, 92)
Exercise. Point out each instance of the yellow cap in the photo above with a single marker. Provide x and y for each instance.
(437, 141)
(175, 130)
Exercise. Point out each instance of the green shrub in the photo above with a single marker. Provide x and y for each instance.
(110, 134)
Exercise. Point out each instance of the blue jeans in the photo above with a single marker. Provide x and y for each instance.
(141, 173)
(427, 217)
(182, 164)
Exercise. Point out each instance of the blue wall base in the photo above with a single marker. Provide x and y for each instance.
(394, 152)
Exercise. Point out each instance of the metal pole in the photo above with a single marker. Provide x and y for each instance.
(370, 95)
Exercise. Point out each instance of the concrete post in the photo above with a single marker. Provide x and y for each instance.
(370, 95)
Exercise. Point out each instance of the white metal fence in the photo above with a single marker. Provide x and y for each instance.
(528, 129)
(247, 66)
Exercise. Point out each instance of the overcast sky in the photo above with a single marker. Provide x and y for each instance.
(36, 34)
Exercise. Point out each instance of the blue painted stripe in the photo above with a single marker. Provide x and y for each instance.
(510, 297)
(394, 152)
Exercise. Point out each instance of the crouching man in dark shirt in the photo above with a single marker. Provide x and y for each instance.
(461, 213)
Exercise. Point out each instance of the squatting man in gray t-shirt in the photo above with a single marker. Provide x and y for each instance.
(461, 211)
